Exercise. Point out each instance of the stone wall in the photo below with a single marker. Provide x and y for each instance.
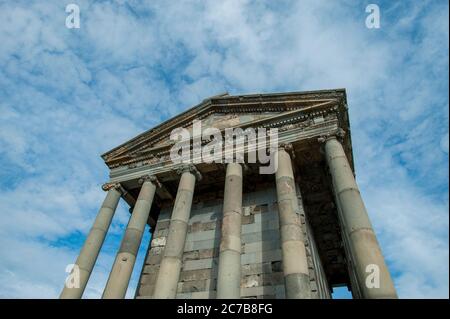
(261, 258)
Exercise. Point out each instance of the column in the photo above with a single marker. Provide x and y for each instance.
(117, 284)
(91, 248)
(295, 264)
(169, 271)
(363, 245)
(229, 275)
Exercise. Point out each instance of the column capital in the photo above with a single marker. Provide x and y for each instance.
(338, 134)
(190, 169)
(107, 186)
(149, 178)
(244, 165)
(288, 147)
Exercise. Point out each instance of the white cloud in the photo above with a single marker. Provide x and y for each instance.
(66, 96)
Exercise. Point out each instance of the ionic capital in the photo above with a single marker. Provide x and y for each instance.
(190, 169)
(338, 134)
(107, 186)
(245, 167)
(149, 178)
(288, 147)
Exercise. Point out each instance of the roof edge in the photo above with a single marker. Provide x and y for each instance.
(208, 100)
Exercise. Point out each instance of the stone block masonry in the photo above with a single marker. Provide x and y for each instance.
(261, 256)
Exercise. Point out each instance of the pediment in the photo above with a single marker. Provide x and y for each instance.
(224, 120)
(271, 110)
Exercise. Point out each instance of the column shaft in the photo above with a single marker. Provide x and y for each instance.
(295, 264)
(169, 271)
(229, 274)
(91, 248)
(118, 280)
(363, 244)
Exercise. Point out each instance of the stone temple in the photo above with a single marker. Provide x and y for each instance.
(224, 230)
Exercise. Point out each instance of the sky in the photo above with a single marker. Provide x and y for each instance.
(69, 95)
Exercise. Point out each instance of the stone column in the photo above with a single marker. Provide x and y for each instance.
(91, 248)
(229, 275)
(117, 284)
(169, 271)
(295, 264)
(363, 245)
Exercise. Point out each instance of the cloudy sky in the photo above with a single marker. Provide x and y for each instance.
(68, 95)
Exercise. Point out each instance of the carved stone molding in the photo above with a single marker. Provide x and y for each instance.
(191, 169)
(107, 186)
(339, 134)
(289, 148)
(149, 178)
(300, 107)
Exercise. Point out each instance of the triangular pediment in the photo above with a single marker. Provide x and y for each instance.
(270, 110)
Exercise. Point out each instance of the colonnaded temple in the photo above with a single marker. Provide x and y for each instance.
(227, 231)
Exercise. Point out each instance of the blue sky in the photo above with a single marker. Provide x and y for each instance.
(68, 95)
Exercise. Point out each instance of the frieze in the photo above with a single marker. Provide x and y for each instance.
(227, 100)
(309, 106)
(163, 155)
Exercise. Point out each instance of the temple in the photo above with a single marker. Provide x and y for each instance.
(223, 229)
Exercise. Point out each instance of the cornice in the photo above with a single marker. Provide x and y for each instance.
(286, 120)
(163, 164)
(276, 102)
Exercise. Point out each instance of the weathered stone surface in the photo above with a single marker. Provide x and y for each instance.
(146, 290)
(196, 285)
(202, 244)
(261, 226)
(248, 219)
(256, 268)
(255, 209)
(200, 264)
(203, 235)
(261, 246)
(161, 233)
(162, 224)
(150, 269)
(200, 254)
(158, 242)
(260, 209)
(198, 226)
(197, 295)
(156, 251)
(261, 256)
(148, 279)
(270, 216)
(261, 291)
(261, 236)
(267, 279)
(210, 215)
(154, 259)
(198, 274)
(261, 264)
(277, 266)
